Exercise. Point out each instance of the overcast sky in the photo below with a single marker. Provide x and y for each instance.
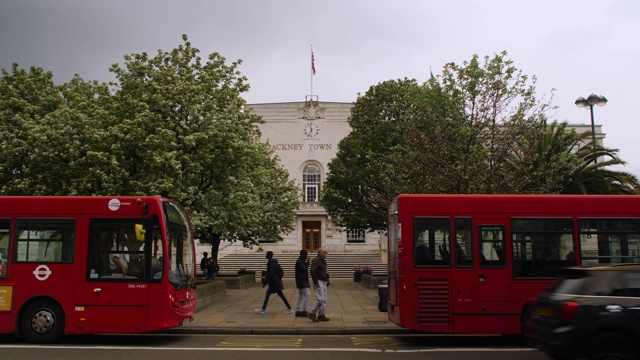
(575, 47)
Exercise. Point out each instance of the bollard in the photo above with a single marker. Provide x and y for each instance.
(383, 292)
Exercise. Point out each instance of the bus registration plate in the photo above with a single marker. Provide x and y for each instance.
(186, 321)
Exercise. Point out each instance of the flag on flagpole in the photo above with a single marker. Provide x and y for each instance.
(313, 63)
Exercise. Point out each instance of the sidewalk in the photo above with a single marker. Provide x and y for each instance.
(352, 308)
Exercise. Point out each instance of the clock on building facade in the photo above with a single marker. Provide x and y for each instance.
(311, 130)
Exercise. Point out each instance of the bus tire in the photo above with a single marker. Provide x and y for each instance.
(42, 322)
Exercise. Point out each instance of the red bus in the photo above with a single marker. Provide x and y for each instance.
(89, 265)
(468, 264)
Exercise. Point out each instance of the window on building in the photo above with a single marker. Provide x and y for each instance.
(355, 236)
(575, 148)
(311, 183)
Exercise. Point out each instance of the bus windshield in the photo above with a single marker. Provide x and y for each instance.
(181, 252)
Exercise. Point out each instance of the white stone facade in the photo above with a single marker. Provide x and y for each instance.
(305, 135)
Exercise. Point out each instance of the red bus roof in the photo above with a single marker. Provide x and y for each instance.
(515, 203)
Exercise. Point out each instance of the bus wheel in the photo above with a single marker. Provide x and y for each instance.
(42, 322)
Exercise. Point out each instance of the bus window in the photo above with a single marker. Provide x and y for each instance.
(179, 250)
(541, 246)
(114, 252)
(609, 241)
(492, 246)
(464, 243)
(156, 254)
(5, 232)
(432, 241)
(394, 233)
(45, 240)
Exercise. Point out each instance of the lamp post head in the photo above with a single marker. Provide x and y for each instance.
(581, 102)
(599, 100)
(593, 99)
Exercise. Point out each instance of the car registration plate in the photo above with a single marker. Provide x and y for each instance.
(545, 311)
(186, 321)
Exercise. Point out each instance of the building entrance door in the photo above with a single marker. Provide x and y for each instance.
(311, 236)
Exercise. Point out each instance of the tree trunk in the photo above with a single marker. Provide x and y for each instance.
(215, 245)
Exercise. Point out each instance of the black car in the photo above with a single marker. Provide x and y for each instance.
(589, 312)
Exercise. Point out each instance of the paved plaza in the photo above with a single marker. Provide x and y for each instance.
(351, 307)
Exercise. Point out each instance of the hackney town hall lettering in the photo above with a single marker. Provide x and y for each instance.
(301, 147)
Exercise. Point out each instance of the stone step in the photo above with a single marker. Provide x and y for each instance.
(339, 265)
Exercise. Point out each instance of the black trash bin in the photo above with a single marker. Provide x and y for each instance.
(383, 295)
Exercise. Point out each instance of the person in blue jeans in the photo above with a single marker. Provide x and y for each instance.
(320, 277)
(274, 280)
(302, 283)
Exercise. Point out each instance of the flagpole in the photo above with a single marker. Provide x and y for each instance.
(312, 68)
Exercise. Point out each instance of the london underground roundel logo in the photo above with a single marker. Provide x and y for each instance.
(42, 272)
(114, 204)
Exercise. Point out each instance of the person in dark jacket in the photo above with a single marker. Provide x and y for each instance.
(204, 262)
(320, 277)
(212, 269)
(302, 283)
(274, 280)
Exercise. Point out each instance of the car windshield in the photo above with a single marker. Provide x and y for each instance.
(570, 282)
(596, 283)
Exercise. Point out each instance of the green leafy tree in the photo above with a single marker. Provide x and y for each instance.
(454, 134)
(361, 178)
(47, 134)
(181, 131)
(499, 110)
(27, 98)
(170, 125)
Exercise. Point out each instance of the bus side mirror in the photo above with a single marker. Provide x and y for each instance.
(140, 231)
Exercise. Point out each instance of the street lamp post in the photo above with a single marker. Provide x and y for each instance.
(593, 99)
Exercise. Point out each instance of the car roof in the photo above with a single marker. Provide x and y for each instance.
(607, 267)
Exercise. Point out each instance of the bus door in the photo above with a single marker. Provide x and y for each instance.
(118, 304)
(112, 299)
(493, 278)
(464, 277)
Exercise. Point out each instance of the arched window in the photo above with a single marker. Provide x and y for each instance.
(311, 182)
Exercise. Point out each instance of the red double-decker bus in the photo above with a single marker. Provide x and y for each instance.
(89, 265)
(468, 264)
